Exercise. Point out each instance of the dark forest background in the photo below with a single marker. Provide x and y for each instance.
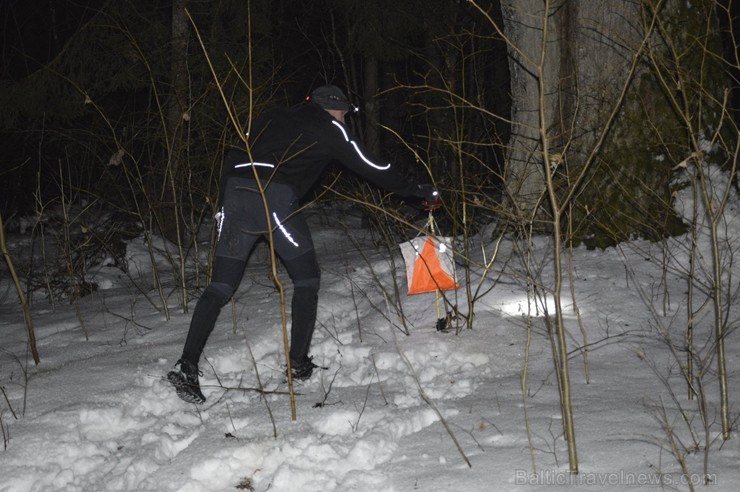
(127, 105)
(115, 102)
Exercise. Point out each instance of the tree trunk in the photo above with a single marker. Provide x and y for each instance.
(727, 13)
(175, 117)
(524, 180)
(177, 109)
(372, 108)
(586, 55)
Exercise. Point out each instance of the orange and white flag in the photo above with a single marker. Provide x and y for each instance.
(429, 265)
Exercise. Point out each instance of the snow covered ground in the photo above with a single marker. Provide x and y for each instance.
(426, 410)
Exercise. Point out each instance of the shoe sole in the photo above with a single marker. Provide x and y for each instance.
(185, 390)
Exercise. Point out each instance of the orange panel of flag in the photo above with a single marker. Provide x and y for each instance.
(429, 265)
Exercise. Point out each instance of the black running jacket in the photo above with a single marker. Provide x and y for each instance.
(294, 145)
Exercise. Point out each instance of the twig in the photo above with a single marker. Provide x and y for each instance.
(380, 383)
(6, 432)
(431, 404)
(428, 401)
(323, 403)
(2, 388)
(262, 392)
(21, 295)
(273, 257)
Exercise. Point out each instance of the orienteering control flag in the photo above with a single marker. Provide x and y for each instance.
(429, 265)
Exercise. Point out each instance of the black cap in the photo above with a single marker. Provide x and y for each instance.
(330, 97)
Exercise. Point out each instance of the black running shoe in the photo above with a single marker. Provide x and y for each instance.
(302, 370)
(186, 382)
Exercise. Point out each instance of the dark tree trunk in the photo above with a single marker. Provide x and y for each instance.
(728, 14)
(372, 108)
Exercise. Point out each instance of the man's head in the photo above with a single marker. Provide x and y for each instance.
(331, 98)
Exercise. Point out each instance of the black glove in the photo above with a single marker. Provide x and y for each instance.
(427, 192)
(429, 195)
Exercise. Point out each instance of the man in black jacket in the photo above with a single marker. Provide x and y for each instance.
(288, 150)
